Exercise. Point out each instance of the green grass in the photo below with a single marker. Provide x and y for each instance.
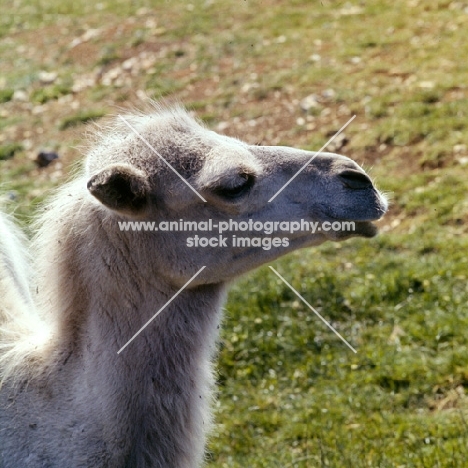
(307, 399)
(49, 93)
(8, 150)
(81, 118)
(291, 394)
(6, 95)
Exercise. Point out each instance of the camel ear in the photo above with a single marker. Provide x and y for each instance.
(122, 188)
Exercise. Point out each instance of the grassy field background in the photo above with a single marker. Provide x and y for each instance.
(290, 72)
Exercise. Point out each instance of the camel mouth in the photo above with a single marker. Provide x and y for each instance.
(342, 229)
(356, 216)
(366, 216)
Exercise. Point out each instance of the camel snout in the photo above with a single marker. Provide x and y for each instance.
(354, 179)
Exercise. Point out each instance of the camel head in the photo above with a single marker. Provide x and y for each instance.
(226, 181)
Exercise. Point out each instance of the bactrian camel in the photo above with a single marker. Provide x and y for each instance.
(72, 298)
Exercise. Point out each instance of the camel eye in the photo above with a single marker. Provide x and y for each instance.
(232, 192)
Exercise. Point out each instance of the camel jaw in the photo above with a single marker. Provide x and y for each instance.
(356, 226)
(350, 229)
(365, 229)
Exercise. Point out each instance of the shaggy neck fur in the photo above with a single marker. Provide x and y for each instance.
(145, 407)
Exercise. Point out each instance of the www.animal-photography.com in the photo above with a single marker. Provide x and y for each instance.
(233, 234)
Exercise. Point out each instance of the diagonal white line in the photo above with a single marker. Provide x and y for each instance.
(161, 309)
(157, 153)
(312, 158)
(313, 310)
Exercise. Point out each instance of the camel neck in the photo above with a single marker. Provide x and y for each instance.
(161, 382)
(156, 392)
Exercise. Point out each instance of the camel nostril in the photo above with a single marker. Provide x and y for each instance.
(355, 179)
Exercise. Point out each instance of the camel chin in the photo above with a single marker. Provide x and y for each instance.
(365, 229)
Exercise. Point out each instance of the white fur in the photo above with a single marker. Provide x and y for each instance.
(68, 399)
